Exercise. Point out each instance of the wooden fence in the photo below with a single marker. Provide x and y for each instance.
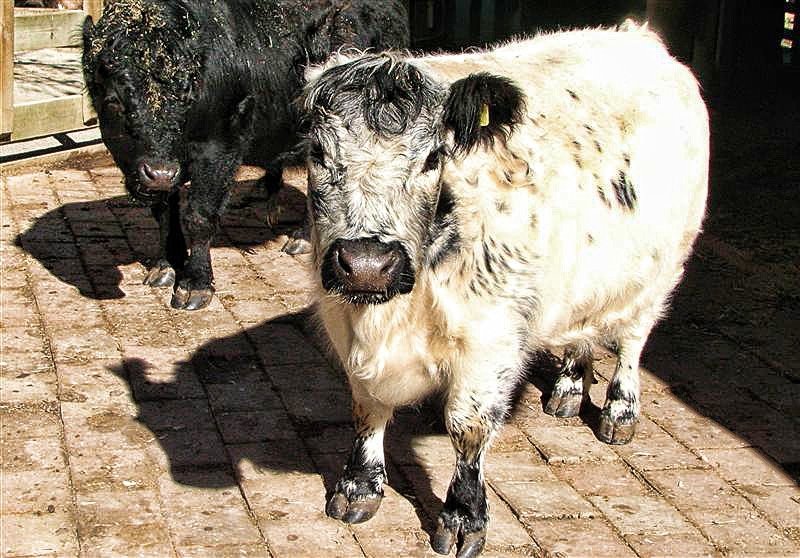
(30, 29)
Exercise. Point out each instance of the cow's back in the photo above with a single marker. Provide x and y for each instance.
(603, 184)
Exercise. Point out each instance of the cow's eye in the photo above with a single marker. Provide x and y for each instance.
(315, 153)
(433, 160)
(113, 104)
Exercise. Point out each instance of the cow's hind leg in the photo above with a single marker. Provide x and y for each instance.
(358, 493)
(621, 410)
(573, 383)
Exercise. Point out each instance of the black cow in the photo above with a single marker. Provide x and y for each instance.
(188, 90)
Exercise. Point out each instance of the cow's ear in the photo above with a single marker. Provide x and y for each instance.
(88, 33)
(481, 108)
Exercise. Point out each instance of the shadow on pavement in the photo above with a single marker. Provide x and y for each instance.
(115, 232)
(283, 408)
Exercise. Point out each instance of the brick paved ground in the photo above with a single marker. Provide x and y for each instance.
(131, 429)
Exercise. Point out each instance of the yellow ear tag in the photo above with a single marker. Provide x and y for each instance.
(484, 120)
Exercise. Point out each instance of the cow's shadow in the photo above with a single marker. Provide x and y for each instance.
(85, 244)
(226, 404)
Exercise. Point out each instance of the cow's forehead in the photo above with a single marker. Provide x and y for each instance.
(148, 39)
(386, 94)
(342, 139)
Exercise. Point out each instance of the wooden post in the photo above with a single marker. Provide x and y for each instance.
(6, 68)
(93, 8)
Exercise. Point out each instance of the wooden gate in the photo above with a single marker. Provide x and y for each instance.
(43, 31)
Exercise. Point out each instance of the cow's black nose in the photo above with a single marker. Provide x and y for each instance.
(365, 267)
(157, 176)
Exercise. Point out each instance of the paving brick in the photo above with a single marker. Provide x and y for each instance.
(281, 344)
(22, 340)
(36, 491)
(126, 506)
(782, 444)
(189, 448)
(255, 426)
(329, 438)
(251, 312)
(747, 466)
(206, 509)
(543, 499)
(749, 535)
(38, 534)
(319, 406)
(103, 469)
(691, 428)
(656, 545)
(26, 386)
(315, 376)
(13, 275)
(612, 479)
(83, 344)
(289, 501)
(652, 448)
(505, 529)
(224, 551)
(569, 444)
(720, 511)
(578, 537)
(394, 530)
(18, 362)
(17, 311)
(511, 438)
(33, 454)
(26, 420)
(642, 515)
(246, 396)
(147, 541)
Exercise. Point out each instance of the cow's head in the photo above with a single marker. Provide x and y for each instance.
(380, 131)
(141, 68)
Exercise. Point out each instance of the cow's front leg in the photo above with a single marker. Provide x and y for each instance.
(473, 415)
(358, 493)
(171, 244)
(207, 196)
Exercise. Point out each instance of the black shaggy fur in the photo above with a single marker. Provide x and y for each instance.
(188, 90)
(504, 101)
(388, 94)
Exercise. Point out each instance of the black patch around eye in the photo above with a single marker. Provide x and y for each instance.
(114, 105)
(433, 160)
(315, 153)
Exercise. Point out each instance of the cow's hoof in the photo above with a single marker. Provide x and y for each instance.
(296, 246)
(616, 432)
(191, 299)
(564, 404)
(355, 511)
(468, 544)
(298, 243)
(160, 275)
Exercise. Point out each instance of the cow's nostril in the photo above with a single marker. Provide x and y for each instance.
(158, 176)
(342, 258)
(391, 264)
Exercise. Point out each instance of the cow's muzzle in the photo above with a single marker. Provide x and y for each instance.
(160, 176)
(367, 271)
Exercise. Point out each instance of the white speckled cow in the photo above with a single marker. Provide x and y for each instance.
(469, 210)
